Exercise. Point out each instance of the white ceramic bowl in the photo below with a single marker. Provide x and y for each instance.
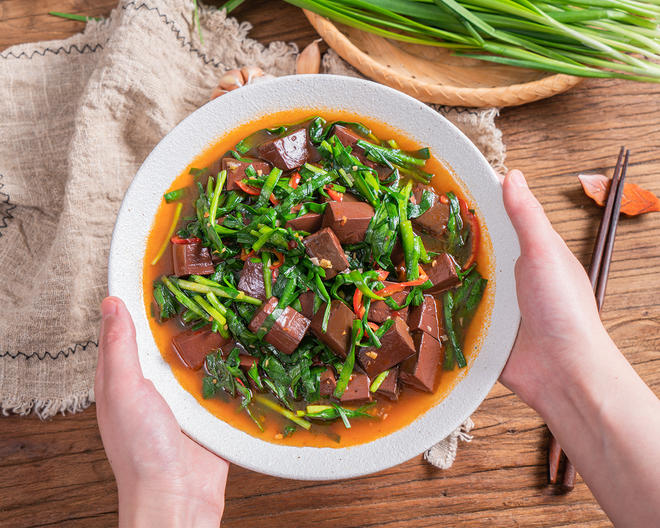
(417, 121)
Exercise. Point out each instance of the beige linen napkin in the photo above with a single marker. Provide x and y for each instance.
(77, 118)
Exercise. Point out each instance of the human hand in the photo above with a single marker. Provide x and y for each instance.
(560, 321)
(164, 478)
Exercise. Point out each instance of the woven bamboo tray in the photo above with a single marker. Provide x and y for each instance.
(433, 75)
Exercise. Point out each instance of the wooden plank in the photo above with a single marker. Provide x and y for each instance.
(22, 21)
(55, 473)
(272, 21)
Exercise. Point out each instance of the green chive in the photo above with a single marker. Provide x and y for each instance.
(606, 38)
(268, 277)
(281, 410)
(349, 363)
(379, 381)
(71, 16)
(173, 196)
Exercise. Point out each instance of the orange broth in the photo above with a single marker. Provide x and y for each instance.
(391, 415)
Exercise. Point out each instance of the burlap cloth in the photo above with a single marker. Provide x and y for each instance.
(77, 118)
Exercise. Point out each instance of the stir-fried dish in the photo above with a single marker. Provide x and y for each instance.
(316, 272)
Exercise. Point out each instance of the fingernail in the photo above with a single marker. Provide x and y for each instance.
(108, 308)
(517, 178)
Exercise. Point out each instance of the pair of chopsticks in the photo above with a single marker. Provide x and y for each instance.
(598, 272)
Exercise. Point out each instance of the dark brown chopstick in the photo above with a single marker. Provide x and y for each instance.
(603, 228)
(598, 273)
(611, 234)
(554, 455)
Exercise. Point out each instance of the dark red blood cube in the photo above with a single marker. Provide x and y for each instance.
(357, 389)
(236, 171)
(287, 152)
(348, 220)
(390, 385)
(396, 345)
(346, 136)
(426, 318)
(307, 304)
(338, 334)
(191, 259)
(420, 370)
(192, 347)
(442, 274)
(287, 330)
(380, 312)
(328, 382)
(309, 222)
(434, 220)
(246, 361)
(324, 246)
(251, 280)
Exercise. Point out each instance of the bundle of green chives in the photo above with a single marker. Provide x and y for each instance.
(587, 38)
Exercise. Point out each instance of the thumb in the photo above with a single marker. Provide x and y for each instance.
(526, 213)
(118, 362)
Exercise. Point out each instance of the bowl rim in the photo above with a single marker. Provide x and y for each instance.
(204, 126)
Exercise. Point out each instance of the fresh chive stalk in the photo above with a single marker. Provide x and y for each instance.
(231, 5)
(170, 232)
(268, 276)
(375, 385)
(606, 38)
(267, 189)
(210, 309)
(453, 352)
(203, 285)
(183, 298)
(347, 368)
(196, 21)
(222, 178)
(72, 16)
(266, 402)
(175, 195)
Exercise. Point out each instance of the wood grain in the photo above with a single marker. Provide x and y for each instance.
(55, 473)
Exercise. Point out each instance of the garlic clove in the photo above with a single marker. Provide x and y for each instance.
(309, 60)
(264, 77)
(217, 92)
(250, 73)
(231, 80)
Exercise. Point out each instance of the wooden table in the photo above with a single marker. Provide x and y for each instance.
(56, 473)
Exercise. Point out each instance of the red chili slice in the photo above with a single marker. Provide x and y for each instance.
(336, 196)
(423, 277)
(382, 274)
(475, 233)
(295, 180)
(245, 255)
(248, 188)
(279, 261)
(358, 306)
(178, 240)
(391, 289)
